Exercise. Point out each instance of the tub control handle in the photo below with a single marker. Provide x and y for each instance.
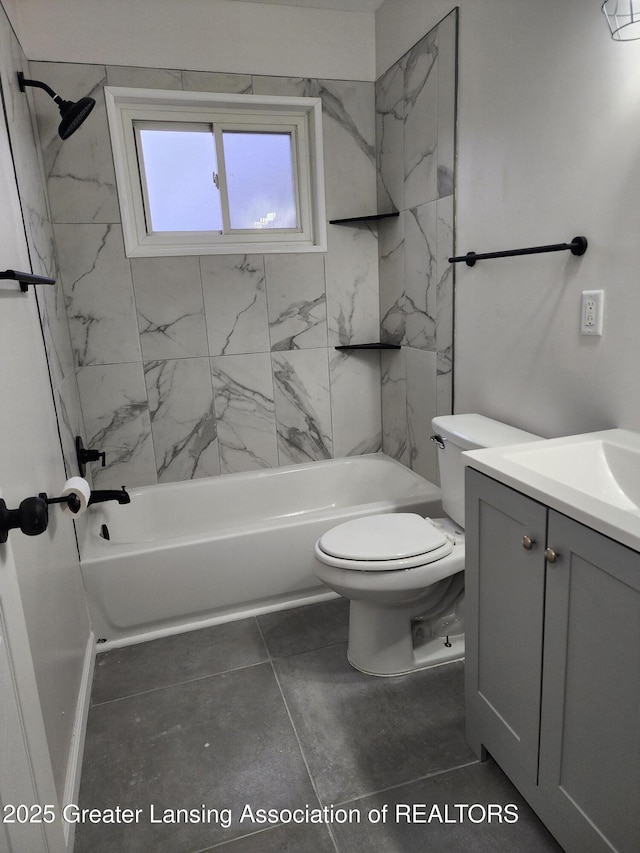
(85, 455)
(439, 440)
(528, 543)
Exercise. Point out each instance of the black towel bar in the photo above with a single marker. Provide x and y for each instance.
(25, 278)
(578, 246)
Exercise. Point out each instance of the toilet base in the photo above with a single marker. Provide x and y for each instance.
(382, 643)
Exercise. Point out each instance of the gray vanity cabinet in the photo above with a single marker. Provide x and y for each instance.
(553, 664)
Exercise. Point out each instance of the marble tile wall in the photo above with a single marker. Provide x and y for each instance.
(195, 366)
(31, 182)
(415, 130)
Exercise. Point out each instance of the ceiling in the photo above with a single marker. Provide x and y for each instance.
(340, 5)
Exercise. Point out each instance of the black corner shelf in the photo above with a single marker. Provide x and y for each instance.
(376, 345)
(353, 219)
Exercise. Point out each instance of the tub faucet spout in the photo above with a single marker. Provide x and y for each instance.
(120, 495)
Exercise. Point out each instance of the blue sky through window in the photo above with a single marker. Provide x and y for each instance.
(179, 168)
(260, 180)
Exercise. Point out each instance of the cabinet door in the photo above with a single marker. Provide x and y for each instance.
(504, 584)
(590, 724)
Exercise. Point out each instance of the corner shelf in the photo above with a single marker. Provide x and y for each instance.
(353, 219)
(369, 346)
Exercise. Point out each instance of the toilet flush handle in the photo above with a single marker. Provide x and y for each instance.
(439, 440)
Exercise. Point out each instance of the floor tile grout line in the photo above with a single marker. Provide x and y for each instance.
(344, 803)
(433, 775)
(179, 683)
(262, 638)
(295, 732)
(268, 659)
(220, 844)
(304, 757)
(272, 659)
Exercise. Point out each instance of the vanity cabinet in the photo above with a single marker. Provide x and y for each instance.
(553, 664)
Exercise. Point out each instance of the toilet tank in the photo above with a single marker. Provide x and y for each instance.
(467, 432)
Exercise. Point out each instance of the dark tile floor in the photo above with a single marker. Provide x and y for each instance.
(201, 734)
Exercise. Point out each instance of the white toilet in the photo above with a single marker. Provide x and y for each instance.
(403, 573)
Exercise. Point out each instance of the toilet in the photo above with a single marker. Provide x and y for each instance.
(404, 574)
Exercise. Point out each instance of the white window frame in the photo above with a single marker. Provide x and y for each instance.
(302, 117)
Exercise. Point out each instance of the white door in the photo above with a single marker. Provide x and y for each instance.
(27, 792)
(26, 775)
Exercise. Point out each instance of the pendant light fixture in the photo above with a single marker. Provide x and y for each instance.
(623, 17)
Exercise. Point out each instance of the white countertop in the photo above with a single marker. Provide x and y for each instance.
(593, 478)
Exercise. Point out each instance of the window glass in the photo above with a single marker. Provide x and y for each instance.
(259, 169)
(180, 171)
(202, 173)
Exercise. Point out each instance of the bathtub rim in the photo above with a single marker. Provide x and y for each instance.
(94, 548)
(422, 495)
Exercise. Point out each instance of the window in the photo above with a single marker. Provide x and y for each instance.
(202, 173)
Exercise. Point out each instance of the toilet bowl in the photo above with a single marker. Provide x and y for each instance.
(394, 568)
(404, 574)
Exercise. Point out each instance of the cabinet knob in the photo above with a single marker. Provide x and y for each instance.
(550, 555)
(528, 543)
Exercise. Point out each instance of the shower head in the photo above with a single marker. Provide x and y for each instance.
(73, 113)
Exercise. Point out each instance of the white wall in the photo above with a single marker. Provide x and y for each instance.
(249, 38)
(549, 148)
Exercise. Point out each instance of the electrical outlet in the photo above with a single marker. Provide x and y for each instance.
(591, 312)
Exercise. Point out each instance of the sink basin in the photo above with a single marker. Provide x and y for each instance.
(593, 477)
(608, 471)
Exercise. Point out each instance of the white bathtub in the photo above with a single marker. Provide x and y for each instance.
(191, 554)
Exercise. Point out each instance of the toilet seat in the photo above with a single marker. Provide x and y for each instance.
(385, 542)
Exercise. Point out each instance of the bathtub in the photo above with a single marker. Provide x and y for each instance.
(187, 555)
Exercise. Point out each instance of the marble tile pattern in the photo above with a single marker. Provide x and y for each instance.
(303, 407)
(183, 423)
(170, 307)
(80, 175)
(353, 314)
(421, 366)
(188, 366)
(420, 121)
(355, 401)
(390, 137)
(415, 126)
(21, 120)
(395, 435)
(299, 322)
(97, 283)
(117, 420)
(235, 304)
(245, 411)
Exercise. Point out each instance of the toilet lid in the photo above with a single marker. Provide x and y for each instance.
(391, 536)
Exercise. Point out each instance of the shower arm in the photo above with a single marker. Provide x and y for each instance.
(38, 84)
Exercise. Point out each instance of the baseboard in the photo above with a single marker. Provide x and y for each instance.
(74, 765)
